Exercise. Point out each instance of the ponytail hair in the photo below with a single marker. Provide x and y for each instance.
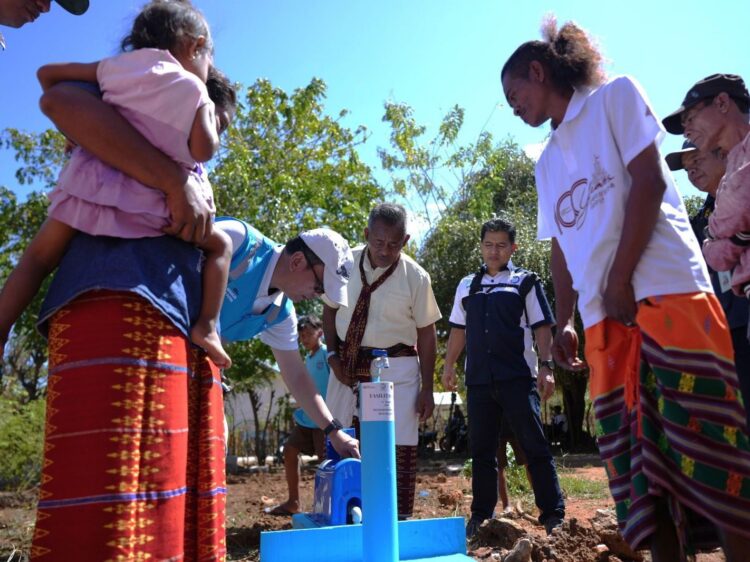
(568, 55)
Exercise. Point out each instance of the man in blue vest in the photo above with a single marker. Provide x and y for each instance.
(494, 314)
(265, 279)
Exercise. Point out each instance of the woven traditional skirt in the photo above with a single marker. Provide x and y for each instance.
(670, 420)
(134, 446)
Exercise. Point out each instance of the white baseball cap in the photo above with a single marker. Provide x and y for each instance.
(337, 258)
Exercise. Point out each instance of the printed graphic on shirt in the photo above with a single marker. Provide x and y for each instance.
(510, 285)
(573, 205)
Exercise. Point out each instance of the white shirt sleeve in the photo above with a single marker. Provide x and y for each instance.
(458, 314)
(328, 302)
(537, 307)
(283, 335)
(631, 119)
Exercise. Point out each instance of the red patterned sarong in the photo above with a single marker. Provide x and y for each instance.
(134, 445)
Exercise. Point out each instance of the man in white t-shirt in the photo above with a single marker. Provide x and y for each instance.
(584, 184)
(660, 356)
(648, 308)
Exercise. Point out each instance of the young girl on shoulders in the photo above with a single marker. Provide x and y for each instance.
(158, 84)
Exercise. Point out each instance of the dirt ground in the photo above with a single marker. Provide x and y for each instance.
(441, 492)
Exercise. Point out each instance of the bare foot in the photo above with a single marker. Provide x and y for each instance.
(207, 337)
(289, 507)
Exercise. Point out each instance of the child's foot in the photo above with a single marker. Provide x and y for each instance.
(208, 338)
(286, 509)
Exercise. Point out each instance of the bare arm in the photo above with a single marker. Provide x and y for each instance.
(456, 344)
(427, 350)
(302, 387)
(204, 137)
(51, 74)
(329, 328)
(101, 130)
(38, 260)
(332, 344)
(565, 343)
(644, 202)
(546, 379)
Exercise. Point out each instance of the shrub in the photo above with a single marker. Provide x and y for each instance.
(21, 443)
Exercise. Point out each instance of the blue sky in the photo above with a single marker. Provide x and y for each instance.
(430, 54)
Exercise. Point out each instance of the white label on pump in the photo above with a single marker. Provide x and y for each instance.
(377, 401)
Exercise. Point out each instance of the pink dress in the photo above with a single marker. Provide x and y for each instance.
(728, 248)
(160, 99)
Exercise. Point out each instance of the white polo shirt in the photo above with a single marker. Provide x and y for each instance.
(583, 185)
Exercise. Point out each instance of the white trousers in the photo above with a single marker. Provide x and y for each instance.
(404, 374)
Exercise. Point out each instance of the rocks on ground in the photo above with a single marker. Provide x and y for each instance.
(507, 540)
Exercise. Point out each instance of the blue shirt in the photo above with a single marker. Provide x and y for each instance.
(317, 366)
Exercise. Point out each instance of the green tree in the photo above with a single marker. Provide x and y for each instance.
(250, 372)
(40, 157)
(693, 204)
(287, 166)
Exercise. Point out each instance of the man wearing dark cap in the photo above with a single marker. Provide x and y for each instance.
(714, 116)
(16, 13)
(705, 170)
(712, 92)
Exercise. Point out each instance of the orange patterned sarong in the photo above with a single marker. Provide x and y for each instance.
(134, 445)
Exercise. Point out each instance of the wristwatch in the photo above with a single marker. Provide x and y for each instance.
(549, 363)
(333, 426)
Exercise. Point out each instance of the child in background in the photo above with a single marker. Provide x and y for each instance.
(505, 438)
(159, 84)
(306, 437)
(671, 428)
